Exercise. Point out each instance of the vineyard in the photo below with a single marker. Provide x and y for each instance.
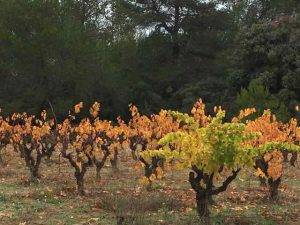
(166, 168)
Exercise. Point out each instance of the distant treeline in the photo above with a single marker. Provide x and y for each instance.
(155, 54)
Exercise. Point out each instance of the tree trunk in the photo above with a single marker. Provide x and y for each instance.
(202, 201)
(114, 162)
(34, 173)
(148, 171)
(33, 165)
(273, 187)
(98, 174)
(80, 182)
(175, 30)
(293, 159)
(99, 166)
(285, 155)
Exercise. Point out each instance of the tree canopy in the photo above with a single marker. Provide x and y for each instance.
(155, 54)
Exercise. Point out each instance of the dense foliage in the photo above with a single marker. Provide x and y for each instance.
(268, 56)
(155, 54)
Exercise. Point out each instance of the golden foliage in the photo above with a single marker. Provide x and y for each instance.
(78, 107)
(198, 112)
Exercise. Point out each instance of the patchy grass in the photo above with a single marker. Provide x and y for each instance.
(120, 199)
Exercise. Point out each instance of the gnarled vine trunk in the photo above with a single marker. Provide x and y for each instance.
(114, 161)
(34, 172)
(273, 184)
(273, 187)
(204, 193)
(33, 164)
(293, 159)
(100, 164)
(203, 203)
(80, 168)
(79, 175)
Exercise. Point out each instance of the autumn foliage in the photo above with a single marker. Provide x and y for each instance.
(274, 138)
(212, 148)
(33, 139)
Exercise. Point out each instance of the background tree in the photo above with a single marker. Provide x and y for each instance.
(257, 96)
(155, 54)
(268, 53)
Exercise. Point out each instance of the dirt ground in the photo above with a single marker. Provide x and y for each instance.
(120, 198)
